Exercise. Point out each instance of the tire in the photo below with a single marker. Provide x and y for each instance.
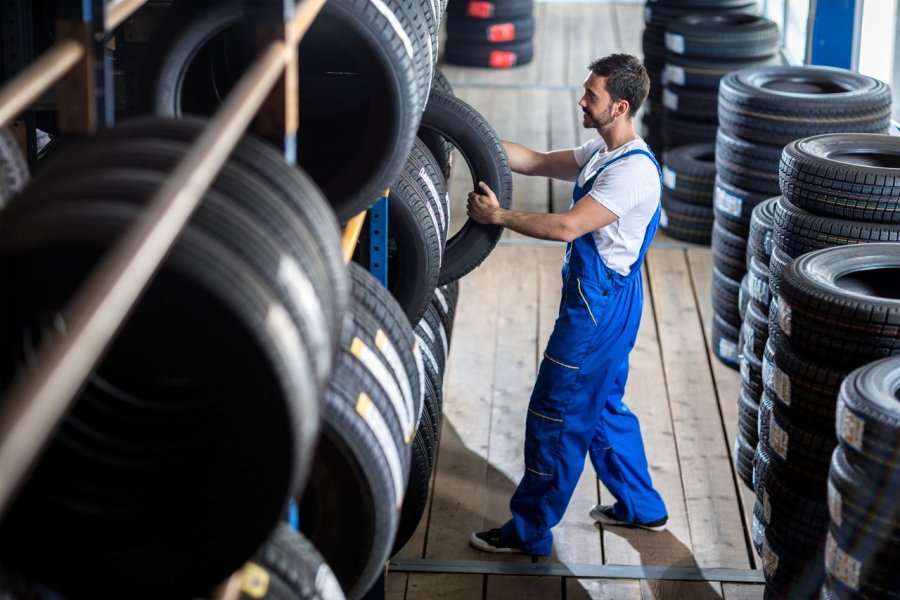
(791, 571)
(725, 342)
(868, 419)
(725, 296)
(426, 169)
(798, 231)
(723, 36)
(288, 567)
(729, 252)
(778, 261)
(689, 173)
(747, 165)
(14, 173)
(794, 450)
(143, 517)
(496, 9)
(855, 572)
(689, 103)
(705, 74)
(743, 460)
(776, 105)
(439, 147)
(806, 389)
(678, 131)
(479, 145)
(841, 305)
(758, 284)
(759, 238)
(755, 330)
(748, 417)
(347, 36)
(502, 55)
(847, 176)
(685, 221)
(736, 205)
(751, 373)
(494, 31)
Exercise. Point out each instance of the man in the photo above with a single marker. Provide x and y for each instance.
(576, 406)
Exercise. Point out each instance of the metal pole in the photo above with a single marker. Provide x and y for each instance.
(119, 10)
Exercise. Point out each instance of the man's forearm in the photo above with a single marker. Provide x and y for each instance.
(543, 226)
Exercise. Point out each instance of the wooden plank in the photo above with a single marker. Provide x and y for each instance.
(426, 586)
(711, 501)
(647, 397)
(727, 380)
(737, 591)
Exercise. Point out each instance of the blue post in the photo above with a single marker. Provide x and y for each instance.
(834, 38)
(378, 237)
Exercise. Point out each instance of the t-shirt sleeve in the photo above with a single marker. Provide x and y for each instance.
(616, 189)
(584, 152)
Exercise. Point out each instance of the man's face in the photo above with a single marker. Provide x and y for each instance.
(596, 104)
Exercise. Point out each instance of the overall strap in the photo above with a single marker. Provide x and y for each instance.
(654, 222)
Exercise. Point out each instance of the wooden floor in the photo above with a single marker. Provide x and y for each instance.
(685, 398)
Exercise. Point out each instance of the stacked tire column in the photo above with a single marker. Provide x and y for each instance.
(835, 303)
(497, 34)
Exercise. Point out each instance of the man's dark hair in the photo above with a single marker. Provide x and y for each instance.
(626, 79)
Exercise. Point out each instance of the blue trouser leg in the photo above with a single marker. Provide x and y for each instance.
(617, 453)
(581, 369)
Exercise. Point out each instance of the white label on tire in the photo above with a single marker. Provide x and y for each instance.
(675, 43)
(850, 428)
(663, 218)
(781, 383)
(674, 74)
(841, 565)
(749, 337)
(728, 349)
(767, 506)
(373, 418)
(670, 99)
(427, 354)
(783, 316)
(767, 242)
(327, 584)
(745, 371)
(767, 372)
(727, 203)
(395, 25)
(835, 504)
(778, 438)
(759, 289)
(769, 558)
(669, 177)
(442, 300)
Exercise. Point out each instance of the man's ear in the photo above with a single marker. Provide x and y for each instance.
(622, 107)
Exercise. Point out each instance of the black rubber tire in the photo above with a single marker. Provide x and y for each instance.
(346, 36)
(690, 103)
(726, 296)
(736, 205)
(686, 221)
(689, 173)
(729, 252)
(778, 261)
(856, 572)
(663, 11)
(794, 450)
(868, 419)
(743, 302)
(755, 330)
(288, 567)
(723, 36)
(433, 373)
(748, 418)
(806, 389)
(350, 507)
(479, 145)
(758, 284)
(862, 508)
(678, 131)
(747, 165)
(491, 9)
(744, 452)
(798, 231)
(841, 305)
(432, 329)
(439, 147)
(155, 517)
(504, 55)
(751, 372)
(446, 298)
(848, 176)
(426, 170)
(14, 173)
(705, 74)
(776, 105)
(759, 238)
(791, 570)
(725, 342)
(480, 31)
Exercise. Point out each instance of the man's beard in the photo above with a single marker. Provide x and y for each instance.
(600, 122)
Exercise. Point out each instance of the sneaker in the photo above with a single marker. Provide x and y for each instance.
(492, 541)
(603, 513)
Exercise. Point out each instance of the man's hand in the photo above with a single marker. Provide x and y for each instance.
(483, 207)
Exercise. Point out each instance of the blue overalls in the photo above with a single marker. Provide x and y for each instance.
(576, 406)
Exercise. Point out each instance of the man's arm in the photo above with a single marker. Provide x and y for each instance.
(586, 215)
(559, 164)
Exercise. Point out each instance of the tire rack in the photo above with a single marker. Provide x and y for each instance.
(38, 399)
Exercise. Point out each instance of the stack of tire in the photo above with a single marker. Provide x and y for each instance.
(753, 304)
(203, 415)
(760, 110)
(657, 15)
(496, 34)
(689, 174)
(834, 308)
(863, 541)
(700, 50)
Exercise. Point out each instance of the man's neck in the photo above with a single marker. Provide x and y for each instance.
(618, 134)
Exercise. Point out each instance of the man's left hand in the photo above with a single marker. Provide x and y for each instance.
(483, 207)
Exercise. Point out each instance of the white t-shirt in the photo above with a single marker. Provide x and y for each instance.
(629, 188)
